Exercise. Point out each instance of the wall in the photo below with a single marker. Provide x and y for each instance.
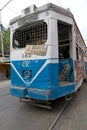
(4, 71)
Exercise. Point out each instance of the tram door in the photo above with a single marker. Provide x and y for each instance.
(64, 38)
(64, 44)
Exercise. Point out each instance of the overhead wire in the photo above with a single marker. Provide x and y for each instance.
(8, 7)
(5, 5)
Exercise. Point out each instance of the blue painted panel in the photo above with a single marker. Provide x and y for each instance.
(18, 92)
(41, 94)
(15, 80)
(62, 91)
(86, 67)
(48, 77)
(33, 67)
(44, 77)
(54, 75)
(70, 72)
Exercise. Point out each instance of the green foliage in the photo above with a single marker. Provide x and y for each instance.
(6, 41)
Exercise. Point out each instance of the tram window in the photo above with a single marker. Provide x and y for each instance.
(64, 39)
(81, 53)
(64, 52)
(77, 55)
(35, 34)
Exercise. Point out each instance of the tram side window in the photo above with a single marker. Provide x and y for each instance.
(64, 39)
(81, 53)
(64, 52)
(77, 53)
(35, 34)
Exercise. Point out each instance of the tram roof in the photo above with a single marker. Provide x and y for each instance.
(46, 7)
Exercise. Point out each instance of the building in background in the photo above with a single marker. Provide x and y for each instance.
(4, 68)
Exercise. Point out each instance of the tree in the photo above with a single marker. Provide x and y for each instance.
(6, 41)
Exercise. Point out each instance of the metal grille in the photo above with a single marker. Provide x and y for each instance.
(36, 34)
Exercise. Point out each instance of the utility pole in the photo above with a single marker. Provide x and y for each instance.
(1, 35)
(1, 28)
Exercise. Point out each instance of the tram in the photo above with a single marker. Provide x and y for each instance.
(48, 53)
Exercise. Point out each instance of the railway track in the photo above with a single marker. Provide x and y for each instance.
(62, 109)
(61, 105)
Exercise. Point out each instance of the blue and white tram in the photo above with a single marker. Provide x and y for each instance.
(47, 53)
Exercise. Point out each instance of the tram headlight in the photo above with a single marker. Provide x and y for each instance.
(26, 74)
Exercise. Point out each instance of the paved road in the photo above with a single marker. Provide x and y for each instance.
(4, 88)
(16, 115)
(75, 116)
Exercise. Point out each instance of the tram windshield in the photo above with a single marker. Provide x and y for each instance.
(33, 34)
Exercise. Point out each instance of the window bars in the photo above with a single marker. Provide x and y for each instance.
(35, 34)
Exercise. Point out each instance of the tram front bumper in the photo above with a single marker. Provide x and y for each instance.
(41, 94)
(33, 93)
(18, 91)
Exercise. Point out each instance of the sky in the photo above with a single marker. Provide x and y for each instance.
(77, 7)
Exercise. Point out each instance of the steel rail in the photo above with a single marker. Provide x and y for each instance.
(58, 116)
